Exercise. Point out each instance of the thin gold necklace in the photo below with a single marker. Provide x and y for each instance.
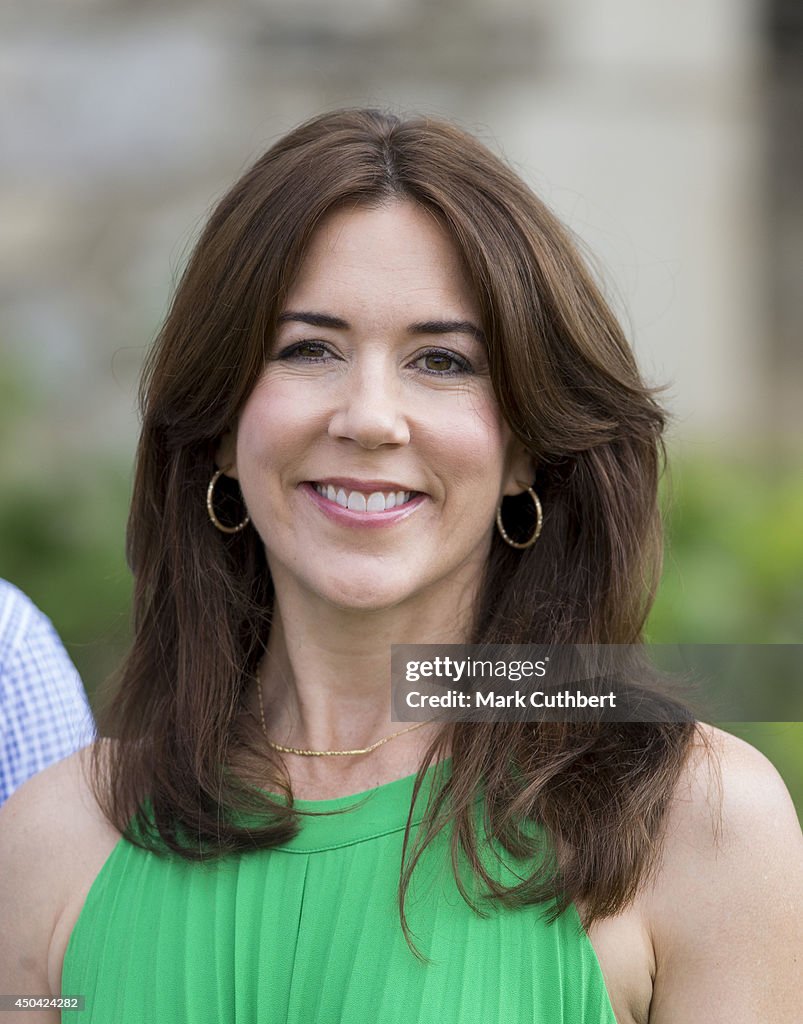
(325, 753)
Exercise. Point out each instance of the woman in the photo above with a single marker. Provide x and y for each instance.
(384, 373)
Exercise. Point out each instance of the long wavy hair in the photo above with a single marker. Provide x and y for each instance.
(569, 388)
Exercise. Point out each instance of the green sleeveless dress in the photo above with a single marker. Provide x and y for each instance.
(310, 932)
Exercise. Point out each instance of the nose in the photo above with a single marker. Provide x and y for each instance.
(369, 407)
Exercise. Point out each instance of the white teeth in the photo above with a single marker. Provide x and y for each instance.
(356, 501)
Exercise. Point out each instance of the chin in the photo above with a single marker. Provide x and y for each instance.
(365, 601)
(364, 594)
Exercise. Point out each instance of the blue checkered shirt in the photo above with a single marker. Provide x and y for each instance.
(44, 715)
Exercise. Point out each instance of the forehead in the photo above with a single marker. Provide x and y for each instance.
(396, 256)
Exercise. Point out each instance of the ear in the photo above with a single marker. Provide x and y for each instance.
(226, 454)
(520, 470)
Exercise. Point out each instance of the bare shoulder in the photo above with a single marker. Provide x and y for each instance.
(729, 794)
(54, 805)
(53, 836)
(723, 909)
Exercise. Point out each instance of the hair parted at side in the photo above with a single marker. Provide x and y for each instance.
(568, 386)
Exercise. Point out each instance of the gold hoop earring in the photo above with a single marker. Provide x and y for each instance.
(539, 522)
(210, 492)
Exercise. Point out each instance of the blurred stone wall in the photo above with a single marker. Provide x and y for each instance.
(642, 125)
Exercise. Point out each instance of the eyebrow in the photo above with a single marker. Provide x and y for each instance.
(423, 327)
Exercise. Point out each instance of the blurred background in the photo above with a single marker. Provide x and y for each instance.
(665, 134)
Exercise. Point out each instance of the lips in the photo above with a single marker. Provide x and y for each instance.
(365, 498)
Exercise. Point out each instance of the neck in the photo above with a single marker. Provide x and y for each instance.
(325, 678)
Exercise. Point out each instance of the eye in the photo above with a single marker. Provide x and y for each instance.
(305, 351)
(440, 362)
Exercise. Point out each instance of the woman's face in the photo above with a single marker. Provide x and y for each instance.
(371, 453)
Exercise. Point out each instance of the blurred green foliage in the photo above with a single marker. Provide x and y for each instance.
(733, 570)
(62, 526)
(62, 542)
(733, 564)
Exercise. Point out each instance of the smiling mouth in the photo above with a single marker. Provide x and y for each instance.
(359, 501)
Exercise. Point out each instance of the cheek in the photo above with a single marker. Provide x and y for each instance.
(273, 425)
(471, 446)
(477, 435)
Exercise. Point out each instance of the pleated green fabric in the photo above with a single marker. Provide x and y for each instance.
(310, 932)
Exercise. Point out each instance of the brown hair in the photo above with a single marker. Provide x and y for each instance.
(568, 387)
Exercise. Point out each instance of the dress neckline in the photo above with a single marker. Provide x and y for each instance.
(362, 816)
